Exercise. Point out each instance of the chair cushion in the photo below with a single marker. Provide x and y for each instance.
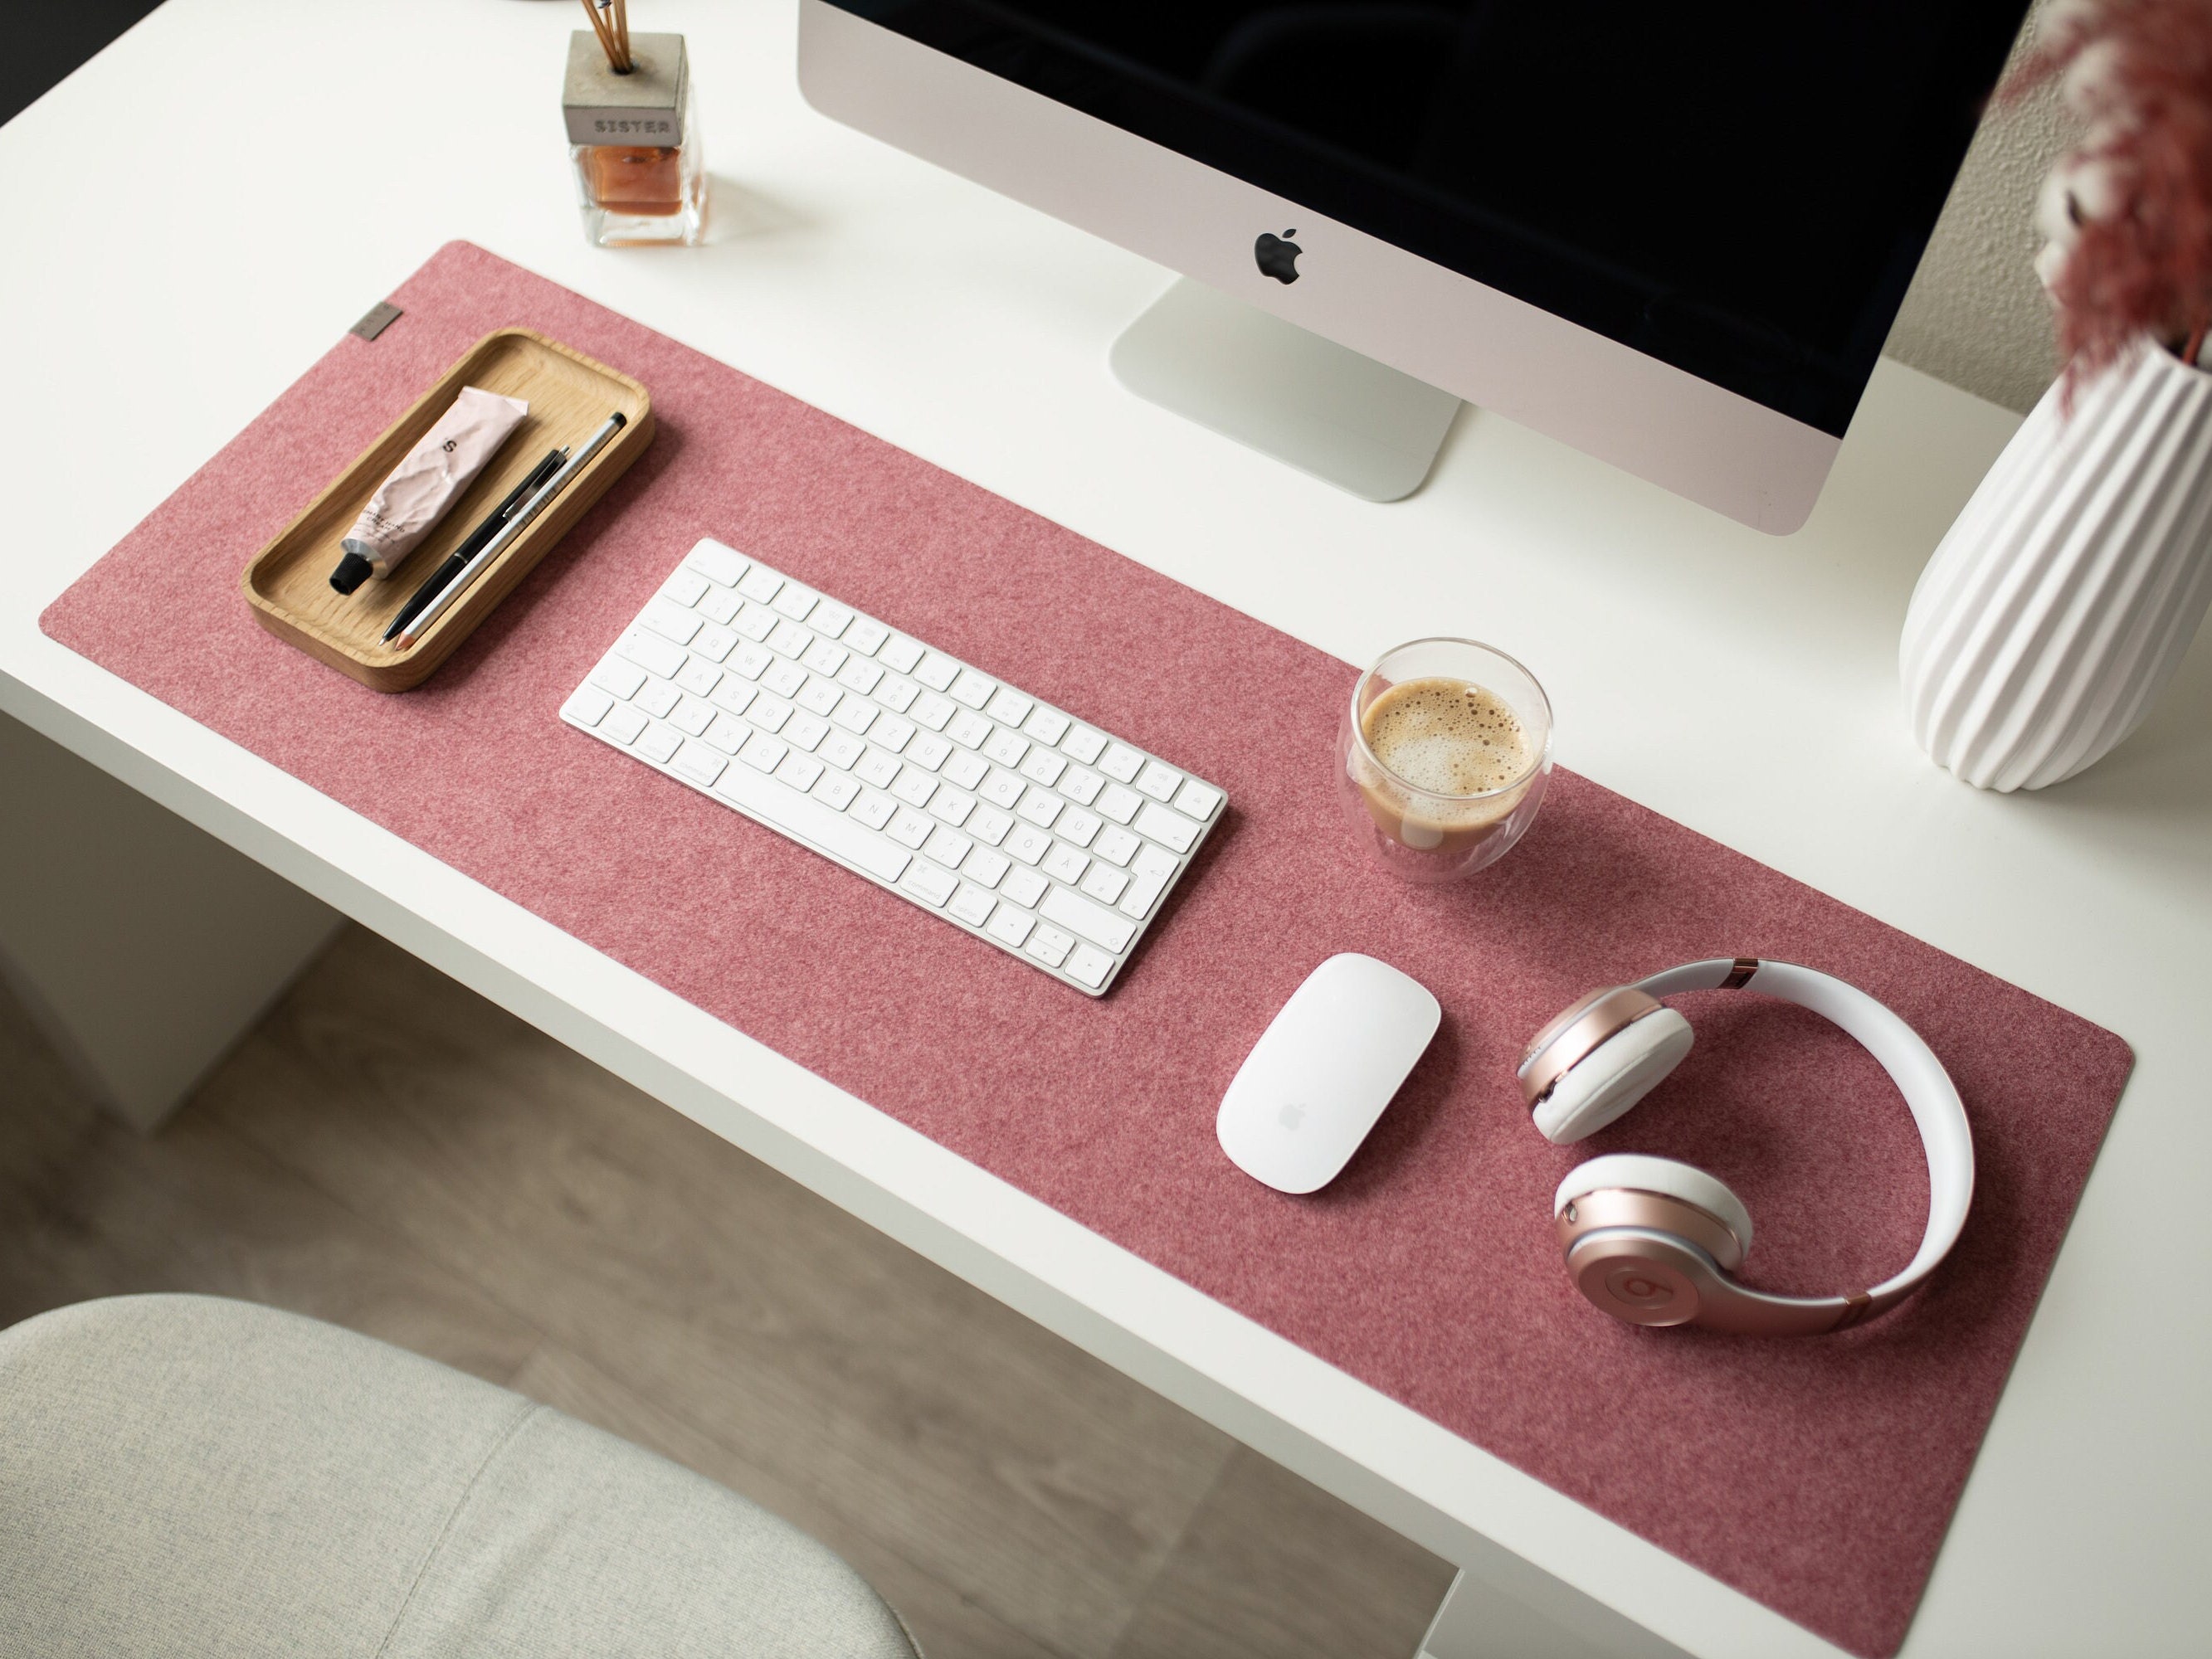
(186, 1475)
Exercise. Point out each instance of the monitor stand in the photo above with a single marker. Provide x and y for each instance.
(1249, 375)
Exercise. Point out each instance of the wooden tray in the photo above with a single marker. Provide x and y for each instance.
(570, 396)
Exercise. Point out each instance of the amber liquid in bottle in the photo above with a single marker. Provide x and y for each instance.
(644, 179)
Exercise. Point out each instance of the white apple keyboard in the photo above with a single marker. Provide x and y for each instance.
(1006, 816)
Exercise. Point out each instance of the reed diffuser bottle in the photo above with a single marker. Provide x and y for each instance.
(633, 136)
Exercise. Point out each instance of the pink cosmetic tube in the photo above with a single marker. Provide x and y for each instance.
(408, 505)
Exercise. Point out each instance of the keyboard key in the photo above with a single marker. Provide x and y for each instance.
(986, 865)
(1086, 745)
(874, 810)
(1119, 803)
(788, 639)
(1086, 966)
(971, 688)
(969, 728)
(897, 693)
(720, 606)
(1080, 783)
(933, 711)
(728, 735)
(672, 621)
(622, 678)
(820, 696)
(812, 822)
(1080, 916)
(693, 715)
(909, 829)
(878, 768)
(660, 742)
(724, 564)
(973, 906)
(937, 670)
(1025, 886)
(769, 714)
(901, 653)
(686, 587)
(1040, 807)
(842, 750)
(1043, 767)
(1138, 901)
(831, 618)
(1002, 788)
(756, 622)
(1104, 882)
(651, 652)
(587, 706)
(1198, 800)
(952, 806)
(891, 733)
(1152, 861)
(966, 768)
(989, 823)
(931, 882)
(1158, 782)
(1076, 825)
(697, 762)
(913, 786)
(714, 643)
(658, 698)
(860, 675)
(1050, 946)
(1027, 842)
(835, 788)
(796, 602)
(825, 656)
(698, 677)
(947, 847)
(784, 678)
(734, 695)
(1006, 747)
(1067, 864)
(1010, 706)
(1046, 724)
(799, 770)
(1165, 825)
(624, 722)
(763, 752)
(1122, 763)
(805, 732)
(864, 636)
(1010, 927)
(928, 749)
(1116, 845)
(856, 714)
(752, 662)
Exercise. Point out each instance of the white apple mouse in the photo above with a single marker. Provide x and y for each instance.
(1322, 1072)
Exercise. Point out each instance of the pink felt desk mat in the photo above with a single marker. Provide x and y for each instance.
(1817, 1476)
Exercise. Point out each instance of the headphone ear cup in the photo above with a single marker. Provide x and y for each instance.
(1635, 1172)
(1613, 1077)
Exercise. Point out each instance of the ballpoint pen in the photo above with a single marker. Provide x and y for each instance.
(473, 544)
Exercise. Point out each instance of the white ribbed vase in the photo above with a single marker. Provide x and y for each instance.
(2060, 603)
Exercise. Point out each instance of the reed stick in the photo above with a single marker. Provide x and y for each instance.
(606, 40)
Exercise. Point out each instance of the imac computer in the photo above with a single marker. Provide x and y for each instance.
(1673, 237)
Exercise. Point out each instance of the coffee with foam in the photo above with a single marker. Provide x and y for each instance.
(1455, 761)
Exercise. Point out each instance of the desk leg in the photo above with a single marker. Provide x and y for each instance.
(141, 945)
(1478, 1621)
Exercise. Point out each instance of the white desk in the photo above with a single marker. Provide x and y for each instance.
(188, 251)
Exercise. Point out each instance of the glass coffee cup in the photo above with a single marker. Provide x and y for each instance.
(1442, 758)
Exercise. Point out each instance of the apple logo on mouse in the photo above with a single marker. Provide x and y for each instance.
(1278, 255)
(1291, 1115)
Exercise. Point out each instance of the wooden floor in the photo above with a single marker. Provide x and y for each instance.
(463, 1186)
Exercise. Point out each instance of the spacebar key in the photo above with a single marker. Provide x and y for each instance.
(810, 821)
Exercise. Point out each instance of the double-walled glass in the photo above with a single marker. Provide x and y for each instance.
(1426, 835)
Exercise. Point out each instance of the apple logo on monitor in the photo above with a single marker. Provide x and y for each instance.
(1278, 255)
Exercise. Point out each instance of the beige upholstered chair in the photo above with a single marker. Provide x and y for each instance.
(183, 1476)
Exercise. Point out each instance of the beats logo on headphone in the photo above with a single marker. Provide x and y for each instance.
(1655, 1242)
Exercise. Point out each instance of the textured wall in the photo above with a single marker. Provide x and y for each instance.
(1976, 315)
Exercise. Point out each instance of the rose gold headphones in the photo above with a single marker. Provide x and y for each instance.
(1654, 1242)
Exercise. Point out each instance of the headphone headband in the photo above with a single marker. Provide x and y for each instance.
(1937, 1113)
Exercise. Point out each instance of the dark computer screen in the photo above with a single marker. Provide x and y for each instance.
(1739, 190)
